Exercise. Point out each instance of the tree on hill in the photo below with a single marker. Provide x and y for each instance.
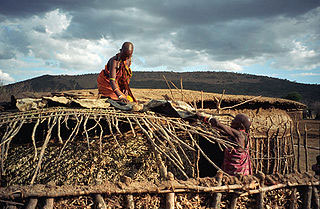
(295, 96)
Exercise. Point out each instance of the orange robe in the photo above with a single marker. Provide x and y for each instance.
(123, 76)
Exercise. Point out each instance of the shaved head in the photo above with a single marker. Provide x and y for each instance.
(127, 47)
(126, 50)
(244, 120)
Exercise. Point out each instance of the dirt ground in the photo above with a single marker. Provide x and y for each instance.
(313, 143)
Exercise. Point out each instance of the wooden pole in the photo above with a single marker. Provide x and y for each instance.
(168, 87)
(217, 196)
(128, 198)
(99, 202)
(292, 147)
(49, 203)
(315, 196)
(299, 137)
(32, 203)
(129, 202)
(293, 199)
(170, 196)
(202, 100)
(261, 193)
(307, 194)
(181, 85)
(305, 143)
(233, 201)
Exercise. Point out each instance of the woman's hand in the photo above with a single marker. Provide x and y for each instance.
(203, 115)
(125, 100)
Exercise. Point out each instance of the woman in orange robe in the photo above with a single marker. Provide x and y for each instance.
(113, 81)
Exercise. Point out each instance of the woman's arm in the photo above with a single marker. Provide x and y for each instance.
(113, 82)
(233, 133)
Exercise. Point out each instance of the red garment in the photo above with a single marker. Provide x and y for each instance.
(237, 160)
(123, 76)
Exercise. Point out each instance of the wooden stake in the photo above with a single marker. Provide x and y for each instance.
(129, 202)
(168, 86)
(202, 100)
(233, 201)
(299, 137)
(315, 196)
(181, 89)
(99, 202)
(293, 198)
(217, 196)
(305, 143)
(306, 197)
(292, 147)
(49, 203)
(170, 196)
(32, 204)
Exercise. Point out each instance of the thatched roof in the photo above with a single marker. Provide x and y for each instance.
(209, 99)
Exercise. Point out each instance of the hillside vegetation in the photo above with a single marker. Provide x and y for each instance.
(232, 83)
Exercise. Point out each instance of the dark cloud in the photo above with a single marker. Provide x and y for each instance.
(7, 55)
(230, 41)
(15, 41)
(173, 30)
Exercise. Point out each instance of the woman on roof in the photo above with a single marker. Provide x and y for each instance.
(236, 160)
(113, 81)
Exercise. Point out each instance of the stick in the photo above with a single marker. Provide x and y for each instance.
(113, 135)
(170, 196)
(32, 204)
(315, 195)
(217, 196)
(110, 188)
(85, 130)
(168, 87)
(292, 147)
(306, 199)
(43, 148)
(130, 123)
(224, 108)
(234, 200)
(33, 138)
(75, 130)
(99, 202)
(49, 203)
(59, 128)
(202, 100)
(293, 198)
(181, 89)
(299, 137)
(305, 143)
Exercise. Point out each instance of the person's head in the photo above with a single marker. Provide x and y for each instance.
(242, 122)
(126, 50)
(318, 159)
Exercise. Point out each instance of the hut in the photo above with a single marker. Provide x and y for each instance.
(79, 157)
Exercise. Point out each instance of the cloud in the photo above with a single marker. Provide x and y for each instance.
(80, 36)
(5, 78)
(306, 74)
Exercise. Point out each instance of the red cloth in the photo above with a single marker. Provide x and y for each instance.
(103, 81)
(237, 160)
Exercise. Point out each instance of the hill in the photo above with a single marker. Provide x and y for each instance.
(216, 82)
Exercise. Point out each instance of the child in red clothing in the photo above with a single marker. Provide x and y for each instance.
(236, 160)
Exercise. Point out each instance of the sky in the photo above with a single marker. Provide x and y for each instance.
(275, 38)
